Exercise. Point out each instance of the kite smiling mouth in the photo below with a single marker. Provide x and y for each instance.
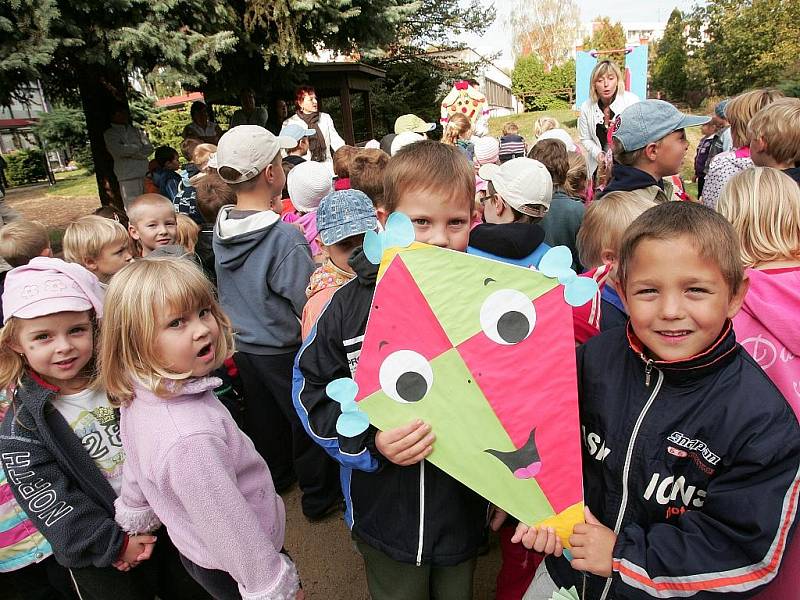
(524, 463)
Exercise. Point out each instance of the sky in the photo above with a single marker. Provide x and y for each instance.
(496, 38)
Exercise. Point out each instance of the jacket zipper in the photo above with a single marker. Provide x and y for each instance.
(648, 368)
(421, 510)
(629, 455)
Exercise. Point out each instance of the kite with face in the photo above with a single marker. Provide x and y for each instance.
(483, 351)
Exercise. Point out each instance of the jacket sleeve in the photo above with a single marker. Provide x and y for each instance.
(321, 359)
(197, 472)
(586, 131)
(734, 543)
(336, 140)
(133, 512)
(117, 148)
(80, 531)
(290, 276)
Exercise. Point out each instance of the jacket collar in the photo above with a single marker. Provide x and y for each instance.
(718, 354)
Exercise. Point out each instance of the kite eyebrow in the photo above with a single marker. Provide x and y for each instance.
(382, 343)
(488, 280)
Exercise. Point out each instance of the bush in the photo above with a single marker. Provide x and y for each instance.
(83, 158)
(531, 81)
(25, 166)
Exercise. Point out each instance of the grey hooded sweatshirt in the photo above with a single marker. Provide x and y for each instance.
(263, 267)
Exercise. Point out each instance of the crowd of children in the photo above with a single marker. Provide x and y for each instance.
(125, 381)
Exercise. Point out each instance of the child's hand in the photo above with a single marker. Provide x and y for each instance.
(497, 519)
(140, 547)
(121, 565)
(540, 539)
(407, 444)
(592, 546)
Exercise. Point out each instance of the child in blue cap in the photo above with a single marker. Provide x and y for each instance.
(649, 144)
(343, 217)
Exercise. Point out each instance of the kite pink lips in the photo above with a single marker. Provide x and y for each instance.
(529, 472)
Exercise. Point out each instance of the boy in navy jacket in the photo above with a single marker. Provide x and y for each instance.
(691, 455)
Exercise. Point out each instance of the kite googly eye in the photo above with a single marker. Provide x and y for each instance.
(406, 376)
(507, 317)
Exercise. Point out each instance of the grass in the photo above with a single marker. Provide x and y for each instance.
(569, 121)
(71, 184)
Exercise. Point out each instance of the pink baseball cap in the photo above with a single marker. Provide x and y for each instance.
(46, 286)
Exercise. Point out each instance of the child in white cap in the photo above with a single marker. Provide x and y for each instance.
(308, 183)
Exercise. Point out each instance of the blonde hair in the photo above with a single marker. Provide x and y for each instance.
(431, 168)
(763, 205)
(600, 69)
(457, 127)
(743, 107)
(543, 124)
(604, 224)
(187, 232)
(201, 154)
(577, 176)
(85, 238)
(779, 126)
(137, 300)
(135, 208)
(510, 127)
(20, 241)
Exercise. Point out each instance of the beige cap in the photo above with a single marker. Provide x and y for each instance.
(522, 182)
(249, 149)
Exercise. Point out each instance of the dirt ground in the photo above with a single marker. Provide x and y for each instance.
(54, 212)
(332, 569)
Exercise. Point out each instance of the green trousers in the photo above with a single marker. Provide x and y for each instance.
(389, 579)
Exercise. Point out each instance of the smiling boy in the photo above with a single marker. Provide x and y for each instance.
(691, 455)
(152, 222)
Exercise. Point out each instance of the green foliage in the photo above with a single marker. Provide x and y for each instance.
(165, 127)
(25, 166)
(746, 43)
(669, 68)
(545, 28)
(83, 158)
(607, 36)
(538, 87)
(63, 127)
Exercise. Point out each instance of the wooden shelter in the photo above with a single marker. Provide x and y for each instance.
(343, 80)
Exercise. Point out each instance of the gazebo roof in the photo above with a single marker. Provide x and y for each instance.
(327, 77)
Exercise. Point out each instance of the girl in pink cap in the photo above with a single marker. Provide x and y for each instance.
(59, 442)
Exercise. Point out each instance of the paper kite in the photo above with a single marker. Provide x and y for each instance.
(483, 351)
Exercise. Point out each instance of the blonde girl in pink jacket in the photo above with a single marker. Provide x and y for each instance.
(188, 465)
(764, 206)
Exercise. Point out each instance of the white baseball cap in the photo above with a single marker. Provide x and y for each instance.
(522, 182)
(249, 149)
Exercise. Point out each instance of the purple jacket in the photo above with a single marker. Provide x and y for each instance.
(190, 467)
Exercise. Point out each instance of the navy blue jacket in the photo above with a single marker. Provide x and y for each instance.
(416, 514)
(694, 464)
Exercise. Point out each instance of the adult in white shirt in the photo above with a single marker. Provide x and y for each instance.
(249, 114)
(129, 147)
(327, 140)
(607, 99)
(202, 128)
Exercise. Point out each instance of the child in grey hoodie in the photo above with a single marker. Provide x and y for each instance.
(263, 266)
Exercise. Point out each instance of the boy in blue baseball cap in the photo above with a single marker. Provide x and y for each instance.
(649, 144)
(343, 218)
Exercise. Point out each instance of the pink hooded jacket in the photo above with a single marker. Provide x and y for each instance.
(190, 467)
(767, 328)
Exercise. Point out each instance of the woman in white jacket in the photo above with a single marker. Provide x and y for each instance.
(327, 140)
(607, 98)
